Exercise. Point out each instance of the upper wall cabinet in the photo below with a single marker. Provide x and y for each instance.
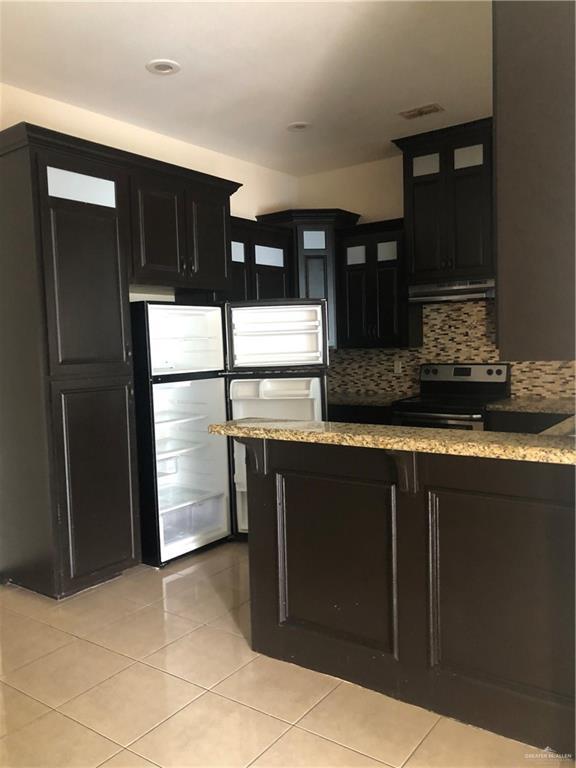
(262, 261)
(313, 232)
(448, 203)
(181, 232)
(85, 237)
(373, 309)
(534, 170)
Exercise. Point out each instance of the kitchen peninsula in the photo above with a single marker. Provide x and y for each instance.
(436, 566)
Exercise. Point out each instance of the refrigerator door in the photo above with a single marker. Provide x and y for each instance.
(191, 465)
(276, 334)
(185, 339)
(297, 398)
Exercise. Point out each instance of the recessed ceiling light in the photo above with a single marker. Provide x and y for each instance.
(163, 67)
(298, 126)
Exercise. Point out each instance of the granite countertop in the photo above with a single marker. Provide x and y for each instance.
(452, 442)
(535, 405)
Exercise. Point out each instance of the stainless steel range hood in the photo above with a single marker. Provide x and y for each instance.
(461, 290)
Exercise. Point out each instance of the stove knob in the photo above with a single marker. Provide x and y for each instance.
(426, 371)
(434, 371)
(489, 371)
(499, 371)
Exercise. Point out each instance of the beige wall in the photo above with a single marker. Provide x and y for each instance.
(373, 190)
(264, 190)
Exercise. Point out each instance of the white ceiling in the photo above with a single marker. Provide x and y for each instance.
(249, 69)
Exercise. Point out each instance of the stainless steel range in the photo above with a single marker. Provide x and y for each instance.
(453, 395)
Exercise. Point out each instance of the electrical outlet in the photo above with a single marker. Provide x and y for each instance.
(397, 365)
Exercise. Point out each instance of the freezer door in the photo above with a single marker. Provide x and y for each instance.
(191, 465)
(294, 398)
(185, 339)
(271, 335)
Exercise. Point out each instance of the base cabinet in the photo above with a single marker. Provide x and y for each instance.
(447, 582)
(96, 479)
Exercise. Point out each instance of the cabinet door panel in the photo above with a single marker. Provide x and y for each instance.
(84, 249)
(158, 229)
(355, 309)
(387, 309)
(271, 283)
(94, 434)
(426, 235)
(469, 223)
(210, 263)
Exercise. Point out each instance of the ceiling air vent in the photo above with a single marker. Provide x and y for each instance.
(427, 109)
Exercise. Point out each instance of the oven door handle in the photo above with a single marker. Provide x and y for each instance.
(439, 416)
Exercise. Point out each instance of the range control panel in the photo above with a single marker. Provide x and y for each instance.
(472, 372)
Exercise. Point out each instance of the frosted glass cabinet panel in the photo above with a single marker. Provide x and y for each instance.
(314, 239)
(185, 339)
(80, 187)
(268, 256)
(387, 251)
(238, 252)
(466, 157)
(424, 165)
(277, 336)
(356, 254)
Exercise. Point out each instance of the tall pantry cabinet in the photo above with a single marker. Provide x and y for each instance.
(69, 512)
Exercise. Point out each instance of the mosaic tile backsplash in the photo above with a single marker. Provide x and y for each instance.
(459, 331)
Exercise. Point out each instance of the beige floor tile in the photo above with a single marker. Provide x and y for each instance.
(277, 688)
(90, 611)
(371, 723)
(54, 741)
(207, 562)
(300, 749)
(31, 604)
(17, 710)
(66, 672)
(210, 732)
(142, 633)
(146, 587)
(127, 759)
(204, 657)
(455, 745)
(237, 621)
(203, 602)
(132, 702)
(23, 640)
(237, 577)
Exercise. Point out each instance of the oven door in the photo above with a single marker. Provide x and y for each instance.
(438, 420)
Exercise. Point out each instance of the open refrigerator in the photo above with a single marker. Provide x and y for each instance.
(195, 365)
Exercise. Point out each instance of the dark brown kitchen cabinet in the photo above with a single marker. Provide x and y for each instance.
(68, 498)
(209, 259)
(314, 242)
(534, 179)
(262, 261)
(84, 250)
(448, 203)
(95, 478)
(373, 309)
(160, 247)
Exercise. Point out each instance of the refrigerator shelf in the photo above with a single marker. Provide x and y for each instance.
(284, 332)
(176, 417)
(171, 497)
(168, 447)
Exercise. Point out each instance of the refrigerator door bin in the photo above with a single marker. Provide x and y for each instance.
(296, 398)
(276, 335)
(192, 525)
(185, 339)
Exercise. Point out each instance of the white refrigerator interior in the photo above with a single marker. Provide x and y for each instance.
(298, 399)
(192, 465)
(185, 339)
(268, 336)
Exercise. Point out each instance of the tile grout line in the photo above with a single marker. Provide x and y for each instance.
(345, 746)
(422, 740)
